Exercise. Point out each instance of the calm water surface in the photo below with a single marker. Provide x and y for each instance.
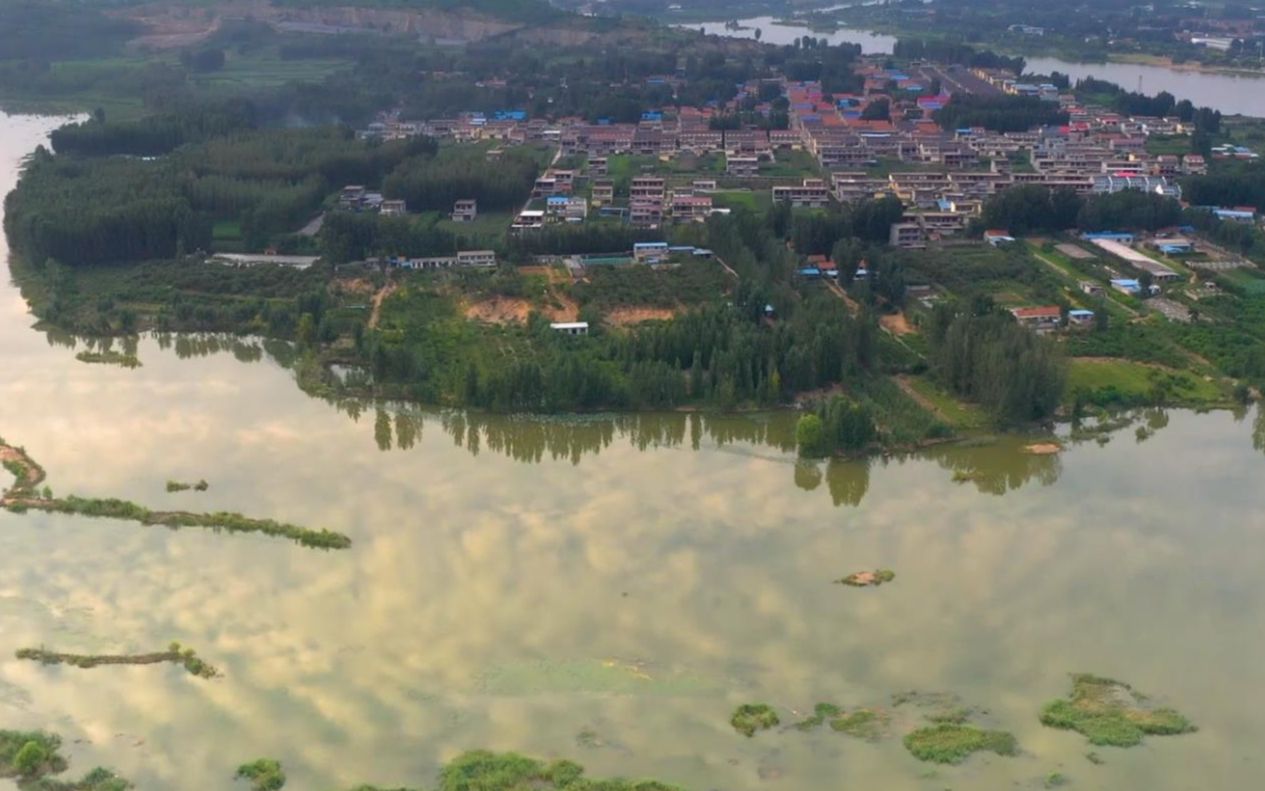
(606, 590)
(1229, 93)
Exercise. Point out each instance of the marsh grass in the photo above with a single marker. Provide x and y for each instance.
(865, 724)
(752, 717)
(948, 743)
(821, 713)
(1111, 713)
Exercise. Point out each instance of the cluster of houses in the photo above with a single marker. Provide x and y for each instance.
(942, 177)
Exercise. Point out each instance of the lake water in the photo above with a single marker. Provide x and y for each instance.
(605, 589)
(1229, 93)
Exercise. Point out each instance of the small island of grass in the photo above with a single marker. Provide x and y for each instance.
(264, 774)
(175, 654)
(32, 757)
(109, 358)
(868, 579)
(865, 724)
(181, 486)
(821, 713)
(1111, 713)
(752, 717)
(23, 495)
(949, 743)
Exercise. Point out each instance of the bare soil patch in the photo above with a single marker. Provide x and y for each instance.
(624, 317)
(499, 310)
(896, 324)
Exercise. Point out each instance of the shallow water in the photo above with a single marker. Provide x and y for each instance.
(607, 589)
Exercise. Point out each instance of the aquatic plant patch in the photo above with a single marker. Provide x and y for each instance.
(1112, 713)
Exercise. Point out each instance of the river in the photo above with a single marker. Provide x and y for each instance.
(604, 589)
(1229, 93)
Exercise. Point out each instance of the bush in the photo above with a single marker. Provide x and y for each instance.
(30, 759)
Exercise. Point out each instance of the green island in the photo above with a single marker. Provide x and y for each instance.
(32, 758)
(867, 724)
(949, 743)
(181, 486)
(1112, 713)
(950, 738)
(751, 717)
(868, 579)
(24, 495)
(264, 774)
(175, 654)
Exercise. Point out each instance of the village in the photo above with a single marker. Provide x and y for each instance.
(684, 166)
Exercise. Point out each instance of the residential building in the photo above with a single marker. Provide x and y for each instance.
(742, 166)
(476, 258)
(649, 252)
(393, 208)
(907, 235)
(1079, 318)
(603, 192)
(646, 213)
(1040, 319)
(570, 327)
(690, 207)
(465, 210)
(646, 188)
(812, 193)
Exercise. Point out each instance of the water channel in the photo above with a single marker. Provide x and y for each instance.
(1229, 93)
(605, 589)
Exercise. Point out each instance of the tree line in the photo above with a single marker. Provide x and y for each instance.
(988, 358)
(1001, 113)
(85, 211)
(1033, 208)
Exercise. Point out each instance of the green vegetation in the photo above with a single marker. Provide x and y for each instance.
(1123, 383)
(1056, 780)
(752, 717)
(840, 425)
(179, 486)
(33, 757)
(1001, 113)
(175, 654)
(863, 579)
(22, 497)
(109, 358)
(821, 713)
(991, 360)
(863, 724)
(111, 508)
(949, 743)
(264, 774)
(1111, 713)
